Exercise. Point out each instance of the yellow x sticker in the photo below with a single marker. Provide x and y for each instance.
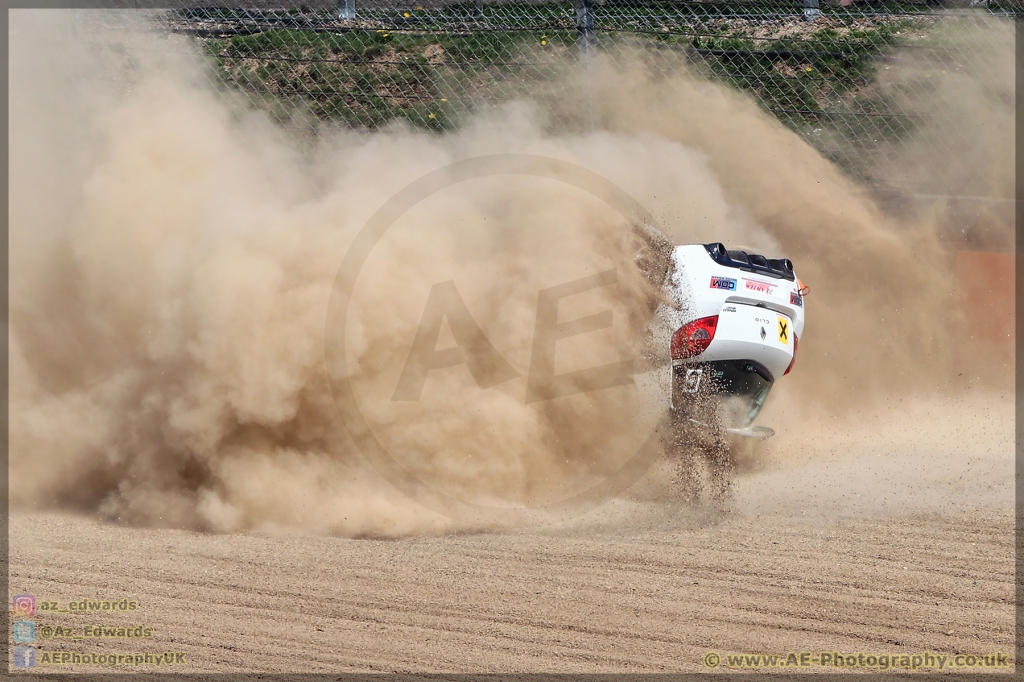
(784, 330)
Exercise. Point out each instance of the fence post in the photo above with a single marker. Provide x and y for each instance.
(347, 9)
(811, 11)
(585, 25)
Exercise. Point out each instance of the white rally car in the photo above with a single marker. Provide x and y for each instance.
(735, 320)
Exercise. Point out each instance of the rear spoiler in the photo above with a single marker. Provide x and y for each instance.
(779, 268)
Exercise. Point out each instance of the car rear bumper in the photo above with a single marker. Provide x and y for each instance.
(729, 393)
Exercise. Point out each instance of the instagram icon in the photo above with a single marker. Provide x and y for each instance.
(24, 604)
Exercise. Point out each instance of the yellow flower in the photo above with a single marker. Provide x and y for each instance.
(543, 42)
(444, 99)
(431, 116)
(406, 15)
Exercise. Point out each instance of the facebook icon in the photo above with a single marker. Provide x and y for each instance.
(24, 656)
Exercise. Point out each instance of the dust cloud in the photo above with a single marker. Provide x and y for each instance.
(173, 256)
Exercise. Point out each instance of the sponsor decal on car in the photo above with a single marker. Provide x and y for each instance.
(723, 283)
(692, 381)
(759, 286)
(784, 330)
(796, 299)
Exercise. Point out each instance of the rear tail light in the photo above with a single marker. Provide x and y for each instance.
(796, 342)
(694, 337)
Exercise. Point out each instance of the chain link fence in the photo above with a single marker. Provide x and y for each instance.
(817, 65)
